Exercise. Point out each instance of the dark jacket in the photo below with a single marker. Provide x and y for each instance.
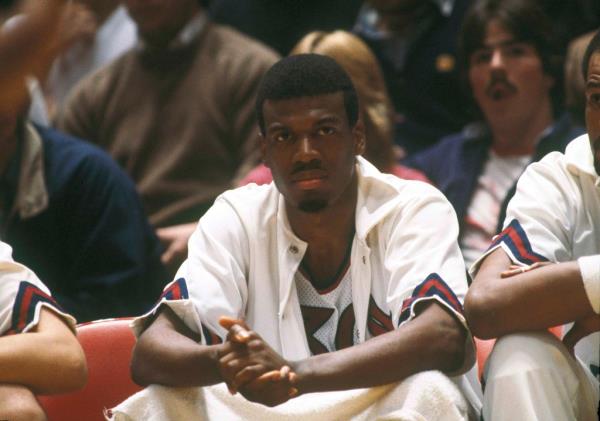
(456, 162)
(92, 244)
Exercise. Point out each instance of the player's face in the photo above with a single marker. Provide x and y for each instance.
(592, 107)
(507, 77)
(310, 148)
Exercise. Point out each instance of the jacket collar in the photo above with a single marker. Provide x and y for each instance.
(580, 160)
(377, 197)
(32, 195)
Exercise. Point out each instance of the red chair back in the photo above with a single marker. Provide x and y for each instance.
(107, 345)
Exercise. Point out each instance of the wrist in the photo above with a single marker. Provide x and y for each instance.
(303, 375)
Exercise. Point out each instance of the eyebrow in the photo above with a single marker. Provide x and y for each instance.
(275, 126)
(329, 119)
(592, 84)
(506, 43)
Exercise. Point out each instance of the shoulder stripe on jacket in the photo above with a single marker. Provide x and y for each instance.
(516, 239)
(177, 290)
(28, 296)
(432, 286)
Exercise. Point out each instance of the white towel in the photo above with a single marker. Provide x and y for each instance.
(427, 396)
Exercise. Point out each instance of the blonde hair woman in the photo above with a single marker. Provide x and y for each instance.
(376, 109)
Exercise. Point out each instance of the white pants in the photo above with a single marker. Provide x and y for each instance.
(532, 377)
(426, 396)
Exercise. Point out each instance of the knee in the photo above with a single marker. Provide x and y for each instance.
(21, 406)
(525, 352)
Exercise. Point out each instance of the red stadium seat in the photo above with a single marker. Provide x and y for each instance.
(107, 345)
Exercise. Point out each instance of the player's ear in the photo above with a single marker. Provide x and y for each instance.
(358, 132)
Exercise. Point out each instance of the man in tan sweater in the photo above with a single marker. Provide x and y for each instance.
(176, 111)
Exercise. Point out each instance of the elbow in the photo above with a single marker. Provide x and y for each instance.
(78, 374)
(452, 348)
(481, 312)
(139, 368)
(72, 373)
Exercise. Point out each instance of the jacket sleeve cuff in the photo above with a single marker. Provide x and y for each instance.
(590, 273)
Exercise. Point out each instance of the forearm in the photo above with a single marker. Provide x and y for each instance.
(432, 341)
(544, 297)
(45, 361)
(166, 356)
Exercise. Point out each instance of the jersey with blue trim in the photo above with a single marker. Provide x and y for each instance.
(22, 295)
(328, 314)
(244, 256)
(555, 216)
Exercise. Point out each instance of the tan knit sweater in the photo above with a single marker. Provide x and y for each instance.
(180, 123)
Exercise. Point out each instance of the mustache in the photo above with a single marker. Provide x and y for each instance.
(313, 164)
(499, 81)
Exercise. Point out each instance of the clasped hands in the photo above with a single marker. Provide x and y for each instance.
(249, 365)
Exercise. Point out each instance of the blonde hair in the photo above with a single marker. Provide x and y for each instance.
(360, 63)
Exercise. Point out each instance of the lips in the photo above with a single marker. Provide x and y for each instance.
(500, 90)
(309, 179)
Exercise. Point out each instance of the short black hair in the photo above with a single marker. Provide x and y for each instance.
(527, 22)
(592, 47)
(305, 75)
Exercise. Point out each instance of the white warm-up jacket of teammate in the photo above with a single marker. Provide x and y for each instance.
(22, 296)
(243, 257)
(555, 216)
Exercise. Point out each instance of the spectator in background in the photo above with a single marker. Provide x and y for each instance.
(176, 111)
(281, 23)
(553, 217)
(46, 358)
(376, 109)
(574, 82)
(74, 217)
(93, 33)
(514, 73)
(415, 43)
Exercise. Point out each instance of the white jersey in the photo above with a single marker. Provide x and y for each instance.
(555, 216)
(327, 313)
(243, 258)
(22, 296)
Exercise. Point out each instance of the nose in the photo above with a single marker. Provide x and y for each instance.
(305, 150)
(497, 60)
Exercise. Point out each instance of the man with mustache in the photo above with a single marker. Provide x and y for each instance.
(345, 278)
(511, 64)
(554, 217)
